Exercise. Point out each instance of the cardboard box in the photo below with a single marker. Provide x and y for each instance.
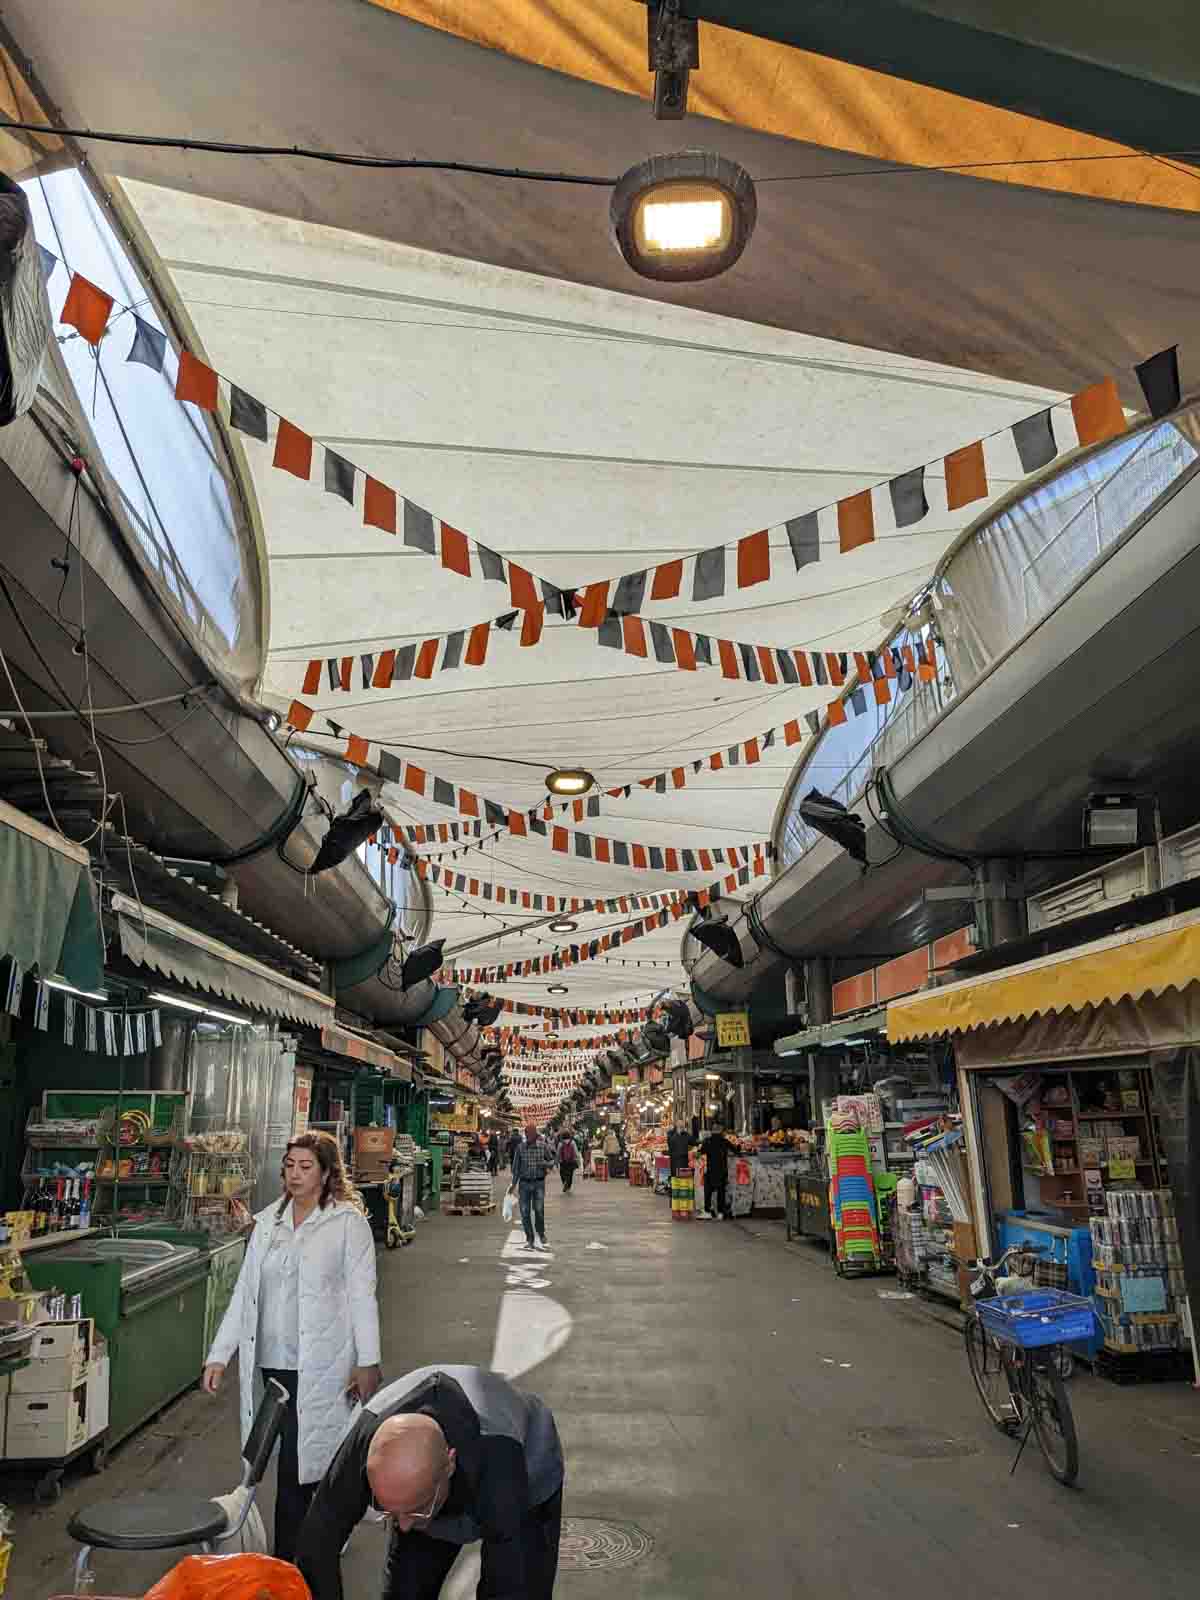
(97, 1393)
(374, 1142)
(966, 1248)
(50, 1376)
(55, 1340)
(45, 1425)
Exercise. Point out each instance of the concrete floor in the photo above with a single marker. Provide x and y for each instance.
(712, 1383)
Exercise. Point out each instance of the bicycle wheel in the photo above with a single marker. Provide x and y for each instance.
(988, 1371)
(1053, 1420)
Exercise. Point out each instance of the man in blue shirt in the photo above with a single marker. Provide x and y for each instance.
(534, 1157)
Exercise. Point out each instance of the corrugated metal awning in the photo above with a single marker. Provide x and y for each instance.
(1163, 955)
(150, 939)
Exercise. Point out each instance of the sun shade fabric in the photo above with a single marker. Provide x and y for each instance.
(341, 1043)
(1151, 960)
(149, 939)
(48, 915)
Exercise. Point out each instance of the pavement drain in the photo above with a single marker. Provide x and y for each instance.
(589, 1545)
(915, 1443)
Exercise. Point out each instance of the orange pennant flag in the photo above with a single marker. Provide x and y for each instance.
(602, 851)
(716, 761)
(293, 450)
(753, 559)
(685, 649)
(520, 587)
(678, 777)
(834, 667)
(803, 670)
(729, 662)
(667, 579)
(558, 840)
(468, 804)
(356, 751)
(882, 693)
(791, 732)
(835, 711)
(344, 670)
(382, 676)
(299, 715)
(766, 660)
(577, 810)
(595, 605)
(966, 476)
(531, 625)
(856, 521)
(671, 859)
(477, 644)
(426, 659)
(379, 506)
(516, 824)
(634, 635)
(638, 853)
(414, 779)
(456, 557)
(87, 309)
(1097, 412)
(196, 382)
(393, 855)
(751, 749)
(312, 677)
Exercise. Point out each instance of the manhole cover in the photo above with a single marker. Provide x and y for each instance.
(589, 1545)
(917, 1444)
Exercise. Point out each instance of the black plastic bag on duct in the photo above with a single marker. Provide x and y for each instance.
(24, 306)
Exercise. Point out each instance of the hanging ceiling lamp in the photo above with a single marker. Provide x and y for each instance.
(683, 217)
(570, 781)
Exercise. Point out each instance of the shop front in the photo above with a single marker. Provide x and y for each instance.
(1080, 1083)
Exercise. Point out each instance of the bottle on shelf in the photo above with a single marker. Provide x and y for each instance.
(85, 1204)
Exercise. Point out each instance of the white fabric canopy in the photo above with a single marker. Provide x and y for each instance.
(582, 434)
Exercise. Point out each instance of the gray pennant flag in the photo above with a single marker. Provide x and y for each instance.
(750, 663)
(858, 701)
(909, 504)
(630, 592)
(490, 564)
(593, 805)
(367, 661)
(538, 825)
(820, 675)
(620, 853)
(768, 738)
(708, 579)
(406, 660)
(418, 528)
(1034, 439)
(733, 755)
(339, 476)
(505, 623)
(804, 536)
(609, 634)
(496, 815)
(787, 666)
(443, 792)
(49, 261)
(813, 719)
(391, 768)
(703, 647)
(149, 347)
(333, 672)
(664, 650)
(583, 846)
(454, 649)
(687, 861)
(660, 783)
(656, 857)
(247, 414)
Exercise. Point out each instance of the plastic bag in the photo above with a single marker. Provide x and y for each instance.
(230, 1578)
(506, 1207)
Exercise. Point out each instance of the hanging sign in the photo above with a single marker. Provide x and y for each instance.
(733, 1029)
(1122, 1168)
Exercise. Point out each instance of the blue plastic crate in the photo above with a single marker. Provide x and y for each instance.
(1045, 1316)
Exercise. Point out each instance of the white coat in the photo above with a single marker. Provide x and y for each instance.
(339, 1325)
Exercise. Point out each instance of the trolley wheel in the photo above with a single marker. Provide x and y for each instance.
(48, 1489)
(98, 1457)
(393, 1238)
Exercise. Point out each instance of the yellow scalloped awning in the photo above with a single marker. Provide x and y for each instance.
(1165, 955)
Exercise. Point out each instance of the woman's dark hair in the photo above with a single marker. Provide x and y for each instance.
(335, 1180)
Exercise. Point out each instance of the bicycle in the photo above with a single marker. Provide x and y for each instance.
(1014, 1351)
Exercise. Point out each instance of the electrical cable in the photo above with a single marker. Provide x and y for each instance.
(117, 711)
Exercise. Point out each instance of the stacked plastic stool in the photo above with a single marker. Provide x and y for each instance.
(852, 1198)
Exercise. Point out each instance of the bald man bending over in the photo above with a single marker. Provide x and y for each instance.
(449, 1455)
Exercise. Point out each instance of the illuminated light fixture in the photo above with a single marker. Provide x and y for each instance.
(190, 1005)
(69, 988)
(563, 925)
(683, 217)
(569, 781)
(557, 988)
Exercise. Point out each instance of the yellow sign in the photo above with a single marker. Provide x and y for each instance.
(1122, 1168)
(621, 1080)
(733, 1028)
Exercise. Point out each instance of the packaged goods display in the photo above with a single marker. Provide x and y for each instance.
(1139, 1270)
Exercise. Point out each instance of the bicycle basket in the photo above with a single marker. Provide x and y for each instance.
(1047, 1316)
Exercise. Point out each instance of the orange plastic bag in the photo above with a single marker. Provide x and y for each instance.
(239, 1577)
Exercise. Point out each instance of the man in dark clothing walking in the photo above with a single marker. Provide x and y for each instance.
(449, 1455)
(533, 1159)
(679, 1146)
(715, 1150)
(568, 1160)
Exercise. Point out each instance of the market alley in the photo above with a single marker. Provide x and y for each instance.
(732, 1412)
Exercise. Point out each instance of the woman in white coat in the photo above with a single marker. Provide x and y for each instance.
(304, 1312)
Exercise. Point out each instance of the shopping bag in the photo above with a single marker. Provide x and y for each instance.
(507, 1207)
(230, 1578)
(741, 1172)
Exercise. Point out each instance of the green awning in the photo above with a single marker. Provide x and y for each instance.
(48, 912)
(831, 1034)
